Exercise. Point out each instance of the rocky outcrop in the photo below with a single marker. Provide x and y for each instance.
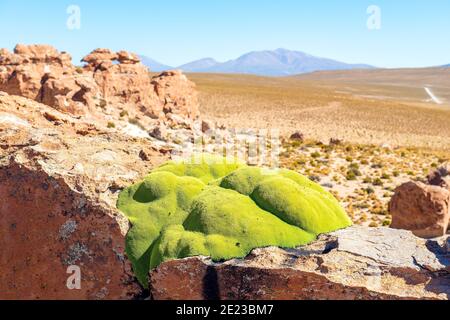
(108, 85)
(351, 264)
(421, 208)
(59, 181)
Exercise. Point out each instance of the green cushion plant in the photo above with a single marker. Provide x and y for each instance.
(223, 209)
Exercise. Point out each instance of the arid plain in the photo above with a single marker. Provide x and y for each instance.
(389, 128)
(370, 106)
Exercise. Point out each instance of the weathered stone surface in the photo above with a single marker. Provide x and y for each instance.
(127, 57)
(355, 263)
(421, 208)
(175, 91)
(59, 180)
(98, 56)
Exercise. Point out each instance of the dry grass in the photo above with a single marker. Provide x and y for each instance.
(391, 133)
(357, 111)
(362, 177)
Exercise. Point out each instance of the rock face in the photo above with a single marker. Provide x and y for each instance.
(355, 263)
(109, 84)
(59, 180)
(421, 208)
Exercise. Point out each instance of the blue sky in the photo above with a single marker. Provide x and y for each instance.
(413, 32)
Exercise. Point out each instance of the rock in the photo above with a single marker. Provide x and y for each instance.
(98, 56)
(421, 208)
(108, 83)
(42, 54)
(206, 126)
(159, 132)
(440, 177)
(7, 58)
(297, 136)
(177, 94)
(335, 142)
(356, 263)
(58, 188)
(127, 57)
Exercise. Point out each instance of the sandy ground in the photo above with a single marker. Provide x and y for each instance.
(390, 133)
(358, 113)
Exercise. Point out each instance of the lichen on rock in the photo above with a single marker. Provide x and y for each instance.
(222, 209)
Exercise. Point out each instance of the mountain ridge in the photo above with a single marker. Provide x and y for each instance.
(153, 64)
(199, 65)
(279, 62)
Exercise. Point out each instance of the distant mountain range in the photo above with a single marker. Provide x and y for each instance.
(280, 62)
(202, 65)
(154, 65)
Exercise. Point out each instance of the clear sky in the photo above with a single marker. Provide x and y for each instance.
(413, 32)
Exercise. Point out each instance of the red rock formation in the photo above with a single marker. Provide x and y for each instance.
(59, 178)
(109, 83)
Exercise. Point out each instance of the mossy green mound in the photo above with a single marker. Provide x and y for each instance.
(223, 210)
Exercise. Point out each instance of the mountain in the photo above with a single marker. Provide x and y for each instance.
(280, 62)
(446, 65)
(154, 65)
(202, 65)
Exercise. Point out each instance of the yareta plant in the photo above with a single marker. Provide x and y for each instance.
(215, 207)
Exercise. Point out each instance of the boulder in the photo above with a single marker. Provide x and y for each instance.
(335, 142)
(96, 57)
(59, 181)
(357, 263)
(205, 126)
(421, 208)
(440, 177)
(297, 136)
(127, 57)
(159, 132)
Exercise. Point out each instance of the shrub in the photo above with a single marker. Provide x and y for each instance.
(367, 180)
(222, 210)
(354, 165)
(385, 176)
(352, 173)
(369, 190)
(377, 182)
